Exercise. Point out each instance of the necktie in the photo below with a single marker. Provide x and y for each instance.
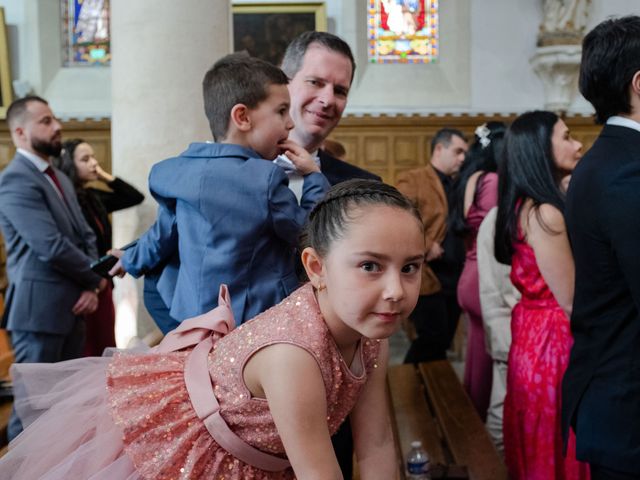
(52, 174)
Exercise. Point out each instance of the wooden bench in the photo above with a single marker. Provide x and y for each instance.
(428, 403)
(6, 359)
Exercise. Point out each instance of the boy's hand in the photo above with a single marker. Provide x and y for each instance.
(117, 270)
(304, 162)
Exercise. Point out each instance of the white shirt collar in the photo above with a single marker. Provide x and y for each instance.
(40, 164)
(623, 122)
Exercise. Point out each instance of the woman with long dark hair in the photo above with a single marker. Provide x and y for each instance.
(78, 161)
(475, 193)
(539, 156)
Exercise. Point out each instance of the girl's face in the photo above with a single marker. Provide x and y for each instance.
(372, 274)
(85, 162)
(566, 151)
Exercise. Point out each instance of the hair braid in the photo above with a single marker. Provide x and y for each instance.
(331, 216)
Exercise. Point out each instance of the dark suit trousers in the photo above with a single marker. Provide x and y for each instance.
(37, 347)
(436, 319)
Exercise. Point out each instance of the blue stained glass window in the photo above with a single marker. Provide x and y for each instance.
(86, 32)
(402, 31)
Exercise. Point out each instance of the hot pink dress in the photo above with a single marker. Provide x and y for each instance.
(478, 371)
(155, 415)
(541, 340)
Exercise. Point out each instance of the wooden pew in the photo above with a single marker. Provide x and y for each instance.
(6, 359)
(428, 403)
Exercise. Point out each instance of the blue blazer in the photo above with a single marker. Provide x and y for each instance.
(233, 220)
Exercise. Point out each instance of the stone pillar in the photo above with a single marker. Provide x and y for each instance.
(160, 52)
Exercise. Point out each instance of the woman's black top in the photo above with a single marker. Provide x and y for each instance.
(98, 204)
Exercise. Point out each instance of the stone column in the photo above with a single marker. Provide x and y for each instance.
(160, 52)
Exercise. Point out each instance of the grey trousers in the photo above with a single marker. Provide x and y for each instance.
(496, 404)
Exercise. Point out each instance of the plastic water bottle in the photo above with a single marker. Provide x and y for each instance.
(418, 464)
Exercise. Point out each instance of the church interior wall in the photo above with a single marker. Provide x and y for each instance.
(484, 65)
(394, 110)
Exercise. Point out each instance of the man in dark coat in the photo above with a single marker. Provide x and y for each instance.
(601, 387)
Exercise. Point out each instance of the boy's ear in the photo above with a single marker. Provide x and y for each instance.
(635, 83)
(240, 117)
(314, 266)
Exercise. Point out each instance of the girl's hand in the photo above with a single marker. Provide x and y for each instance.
(104, 176)
(304, 162)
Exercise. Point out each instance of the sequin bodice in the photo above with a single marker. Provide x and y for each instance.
(297, 320)
(164, 437)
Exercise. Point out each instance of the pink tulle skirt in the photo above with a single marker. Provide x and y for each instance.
(73, 434)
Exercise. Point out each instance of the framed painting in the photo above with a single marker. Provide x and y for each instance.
(6, 92)
(265, 29)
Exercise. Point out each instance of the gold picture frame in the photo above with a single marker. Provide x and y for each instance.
(6, 91)
(265, 29)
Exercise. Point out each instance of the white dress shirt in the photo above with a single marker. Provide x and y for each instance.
(42, 166)
(623, 122)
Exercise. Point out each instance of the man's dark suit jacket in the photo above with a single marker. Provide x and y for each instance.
(601, 387)
(338, 171)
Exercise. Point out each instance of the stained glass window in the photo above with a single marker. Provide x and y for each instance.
(85, 32)
(403, 31)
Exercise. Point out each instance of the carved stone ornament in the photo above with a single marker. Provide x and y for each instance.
(558, 67)
(564, 22)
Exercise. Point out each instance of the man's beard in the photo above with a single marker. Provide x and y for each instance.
(49, 149)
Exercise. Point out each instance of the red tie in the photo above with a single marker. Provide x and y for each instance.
(52, 174)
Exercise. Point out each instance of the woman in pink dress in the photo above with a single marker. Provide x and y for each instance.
(260, 402)
(475, 193)
(531, 236)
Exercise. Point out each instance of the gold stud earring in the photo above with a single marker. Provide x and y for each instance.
(321, 286)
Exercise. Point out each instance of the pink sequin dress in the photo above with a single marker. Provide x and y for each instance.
(144, 421)
(541, 340)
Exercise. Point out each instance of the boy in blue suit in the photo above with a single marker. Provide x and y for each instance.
(227, 212)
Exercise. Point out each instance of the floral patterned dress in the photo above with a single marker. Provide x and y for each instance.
(541, 340)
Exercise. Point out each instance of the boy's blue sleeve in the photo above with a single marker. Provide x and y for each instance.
(288, 217)
(155, 246)
(160, 241)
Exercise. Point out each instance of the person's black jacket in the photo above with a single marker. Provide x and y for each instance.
(601, 387)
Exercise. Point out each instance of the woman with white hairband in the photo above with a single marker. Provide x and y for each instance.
(474, 194)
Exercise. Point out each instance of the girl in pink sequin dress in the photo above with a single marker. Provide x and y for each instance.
(531, 235)
(257, 402)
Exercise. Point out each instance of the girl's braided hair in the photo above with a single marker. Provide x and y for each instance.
(330, 217)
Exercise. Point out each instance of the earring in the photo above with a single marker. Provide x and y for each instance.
(321, 286)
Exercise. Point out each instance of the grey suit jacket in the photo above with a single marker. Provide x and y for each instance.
(49, 248)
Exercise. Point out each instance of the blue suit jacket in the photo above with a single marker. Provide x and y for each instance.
(233, 220)
(49, 249)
